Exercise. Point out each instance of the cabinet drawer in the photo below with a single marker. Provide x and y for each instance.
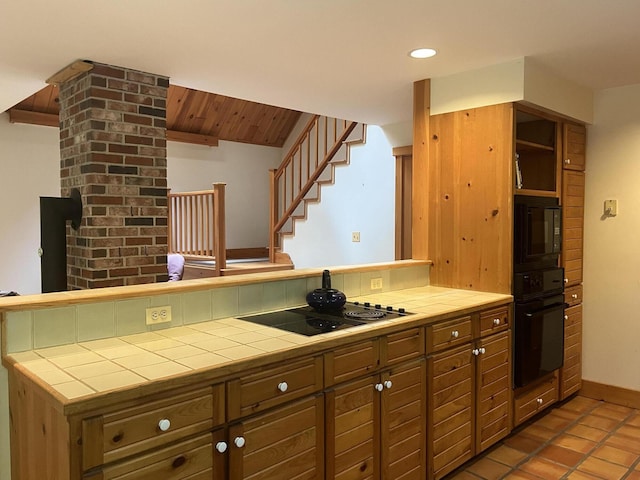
(192, 460)
(273, 386)
(403, 346)
(493, 321)
(535, 400)
(573, 295)
(351, 362)
(150, 425)
(448, 334)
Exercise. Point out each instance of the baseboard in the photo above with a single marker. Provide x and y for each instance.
(611, 394)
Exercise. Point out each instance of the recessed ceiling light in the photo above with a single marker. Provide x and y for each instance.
(422, 53)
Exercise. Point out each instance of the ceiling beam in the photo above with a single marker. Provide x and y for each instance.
(51, 120)
(196, 138)
(33, 118)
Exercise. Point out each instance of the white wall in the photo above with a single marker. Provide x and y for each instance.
(29, 168)
(360, 200)
(522, 79)
(612, 245)
(245, 170)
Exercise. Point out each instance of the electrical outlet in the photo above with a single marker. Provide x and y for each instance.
(355, 237)
(158, 315)
(376, 283)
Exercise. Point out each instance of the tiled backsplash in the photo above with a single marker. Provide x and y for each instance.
(42, 328)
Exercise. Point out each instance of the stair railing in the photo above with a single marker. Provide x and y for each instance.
(197, 225)
(313, 151)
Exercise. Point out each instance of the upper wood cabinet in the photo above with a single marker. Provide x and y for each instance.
(537, 141)
(574, 147)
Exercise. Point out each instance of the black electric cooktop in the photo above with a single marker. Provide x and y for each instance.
(308, 321)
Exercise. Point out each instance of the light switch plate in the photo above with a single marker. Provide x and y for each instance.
(611, 208)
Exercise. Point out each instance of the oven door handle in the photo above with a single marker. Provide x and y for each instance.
(545, 310)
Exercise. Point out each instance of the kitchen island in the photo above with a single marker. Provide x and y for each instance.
(223, 397)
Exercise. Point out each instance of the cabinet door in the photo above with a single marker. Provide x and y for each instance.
(351, 429)
(450, 412)
(571, 371)
(403, 422)
(575, 143)
(493, 401)
(280, 444)
(572, 225)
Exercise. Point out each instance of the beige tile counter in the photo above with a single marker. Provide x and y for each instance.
(214, 349)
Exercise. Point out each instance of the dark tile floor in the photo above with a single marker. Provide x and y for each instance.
(582, 439)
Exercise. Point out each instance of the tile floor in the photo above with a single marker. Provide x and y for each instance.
(581, 439)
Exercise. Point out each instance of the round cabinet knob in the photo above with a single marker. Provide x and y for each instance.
(566, 317)
(482, 350)
(455, 334)
(496, 321)
(566, 280)
(567, 161)
(539, 400)
(574, 296)
(239, 442)
(475, 351)
(379, 387)
(388, 384)
(221, 447)
(164, 424)
(283, 386)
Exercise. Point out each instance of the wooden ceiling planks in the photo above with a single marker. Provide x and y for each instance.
(194, 114)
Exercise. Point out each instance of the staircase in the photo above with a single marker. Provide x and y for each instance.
(323, 144)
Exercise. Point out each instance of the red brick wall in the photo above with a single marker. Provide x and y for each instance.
(113, 149)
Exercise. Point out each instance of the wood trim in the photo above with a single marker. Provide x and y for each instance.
(186, 137)
(402, 151)
(610, 393)
(17, 115)
(69, 72)
(33, 118)
(420, 169)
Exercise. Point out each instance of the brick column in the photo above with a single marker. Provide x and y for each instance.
(113, 149)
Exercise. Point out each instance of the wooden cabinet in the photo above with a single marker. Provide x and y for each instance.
(450, 412)
(375, 426)
(280, 444)
(469, 388)
(573, 196)
(537, 142)
(574, 147)
(187, 460)
(571, 372)
(572, 225)
(535, 399)
(493, 380)
(129, 431)
(356, 411)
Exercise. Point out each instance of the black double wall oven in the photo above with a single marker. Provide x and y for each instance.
(538, 285)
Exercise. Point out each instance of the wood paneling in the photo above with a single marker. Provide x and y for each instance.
(470, 197)
(571, 371)
(420, 170)
(193, 116)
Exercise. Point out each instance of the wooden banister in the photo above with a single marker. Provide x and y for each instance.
(314, 150)
(196, 225)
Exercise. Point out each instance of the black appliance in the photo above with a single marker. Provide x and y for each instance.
(54, 213)
(537, 232)
(538, 328)
(309, 321)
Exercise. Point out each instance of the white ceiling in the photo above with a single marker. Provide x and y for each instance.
(345, 58)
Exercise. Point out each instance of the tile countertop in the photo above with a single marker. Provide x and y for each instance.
(77, 372)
